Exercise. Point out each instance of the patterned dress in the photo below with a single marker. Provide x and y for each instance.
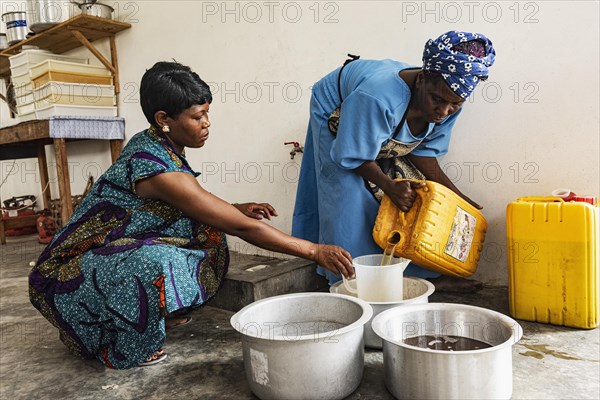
(121, 263)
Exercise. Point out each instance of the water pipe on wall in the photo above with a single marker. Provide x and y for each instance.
(297, 149)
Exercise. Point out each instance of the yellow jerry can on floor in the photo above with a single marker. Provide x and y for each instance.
(553, 261)
(441, 232)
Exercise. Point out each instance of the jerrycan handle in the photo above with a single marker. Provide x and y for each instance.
(402, 217)
(402, 214)
(541, 199)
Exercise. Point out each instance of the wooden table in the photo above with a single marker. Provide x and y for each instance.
(27, 140)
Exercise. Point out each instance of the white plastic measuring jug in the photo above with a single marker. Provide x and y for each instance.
(375, 282)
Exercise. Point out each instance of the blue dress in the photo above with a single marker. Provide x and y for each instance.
(333, 204)
(122, 263)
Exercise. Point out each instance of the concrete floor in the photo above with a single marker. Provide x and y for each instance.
(205, 357)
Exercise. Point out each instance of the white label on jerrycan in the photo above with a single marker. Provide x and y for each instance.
(461, 235)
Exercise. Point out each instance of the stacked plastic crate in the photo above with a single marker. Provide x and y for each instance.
(48, 84)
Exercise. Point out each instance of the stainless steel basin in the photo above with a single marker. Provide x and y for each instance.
(44, 14)
(303, 345)
(413, 372)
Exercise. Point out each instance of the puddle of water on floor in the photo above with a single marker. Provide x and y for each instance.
(542, 349)
(533, 354)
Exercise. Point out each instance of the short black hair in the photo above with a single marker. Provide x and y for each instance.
(171, 87)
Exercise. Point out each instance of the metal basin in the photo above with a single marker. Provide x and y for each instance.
(44, 14)
(97, 10)
(416, 291)
(16, 26)
(303, 345)
(421, 373)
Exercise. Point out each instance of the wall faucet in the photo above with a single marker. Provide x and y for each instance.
(297, 148)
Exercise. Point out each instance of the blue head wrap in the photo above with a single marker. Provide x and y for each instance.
(460, 67)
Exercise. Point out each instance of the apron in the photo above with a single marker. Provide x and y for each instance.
(394, 164)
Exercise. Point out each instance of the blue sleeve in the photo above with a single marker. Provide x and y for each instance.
(437, 143)
(365, 123)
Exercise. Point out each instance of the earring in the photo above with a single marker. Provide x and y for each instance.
(166, 129)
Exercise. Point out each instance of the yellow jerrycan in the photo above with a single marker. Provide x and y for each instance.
(441, 232)
(553, 273)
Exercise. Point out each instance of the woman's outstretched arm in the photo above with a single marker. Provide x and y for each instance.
(183, 191)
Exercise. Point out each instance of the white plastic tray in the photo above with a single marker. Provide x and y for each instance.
(75, 101)
(45, 113)
(21, 79)
(26, 108)
(74, 94)
(25, 99)
(23, 90)
(29, 55)
(26, 117)
(65, 66)
(90, 91)
(23, 61)
(71, 77)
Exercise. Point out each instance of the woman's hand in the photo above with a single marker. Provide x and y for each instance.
(335, 259)
(257, 210)
(403, 193)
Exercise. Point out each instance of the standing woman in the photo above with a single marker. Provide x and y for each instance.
(148, 241)
(374, 121)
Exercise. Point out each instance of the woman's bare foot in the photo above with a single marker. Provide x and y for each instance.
(454, 284)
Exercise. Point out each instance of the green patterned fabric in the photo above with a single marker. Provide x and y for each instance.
(122, 263)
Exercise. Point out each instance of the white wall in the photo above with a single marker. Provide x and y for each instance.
(533, 127)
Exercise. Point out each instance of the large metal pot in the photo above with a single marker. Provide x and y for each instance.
(416, 291)
(44, 14)
(413, 372)
(16, 26)
(303, 345)
(97, 10)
